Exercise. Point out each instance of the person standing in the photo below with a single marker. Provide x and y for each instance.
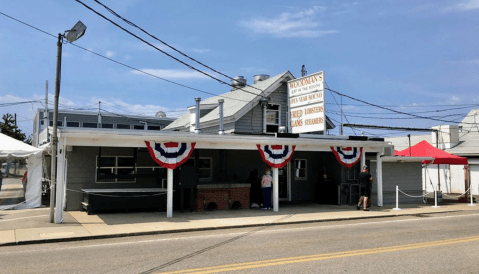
(365, 182)
(266, 182)
(1, 179)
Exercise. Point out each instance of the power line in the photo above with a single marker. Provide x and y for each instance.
(162, 51)
(340, 108)
(166, 44)
(396, 118)
(427, 111)
(389, 109)
(19, 103)
(125, 65)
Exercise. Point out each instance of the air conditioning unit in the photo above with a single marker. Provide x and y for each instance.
(388, 150)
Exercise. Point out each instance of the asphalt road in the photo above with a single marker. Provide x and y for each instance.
(440, 243)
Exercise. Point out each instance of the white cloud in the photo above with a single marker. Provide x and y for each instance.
(200, 50)
(455, 99)
(110, 54)
(302, 24)
(173, 74)
(119, 106)
(464, 6)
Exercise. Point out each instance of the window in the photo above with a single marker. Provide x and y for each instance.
(273, 117)
(353, 172)
(115, 169)
(205, 168)
(106, 125)
(59, 123)
(300, 169)
(138, 127)
(90, 125)
(122, 126)
(73, 124)
(154, 127)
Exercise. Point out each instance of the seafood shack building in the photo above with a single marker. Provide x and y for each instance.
(229, 136)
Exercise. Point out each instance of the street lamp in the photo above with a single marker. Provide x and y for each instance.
(71, 35)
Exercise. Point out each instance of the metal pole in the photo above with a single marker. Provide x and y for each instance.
(409, 137)
(438, 172)
(435, 199)
(275, 190)
(169, 193)
(46, 114)
(470, 188)
(54, 140)
(198, 128)
(222, 130)
(397, 198)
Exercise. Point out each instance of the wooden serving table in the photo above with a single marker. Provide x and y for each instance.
(123, 199)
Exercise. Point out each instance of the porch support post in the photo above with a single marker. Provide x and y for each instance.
(275, 190)
(60, 189)
(169, 194)
(379, 173)
(363, 159)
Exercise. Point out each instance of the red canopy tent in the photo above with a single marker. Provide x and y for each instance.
(424, 149)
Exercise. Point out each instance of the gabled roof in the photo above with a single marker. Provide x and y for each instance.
(468, 144)
(236, 102)
(470, 123)
(468, 136)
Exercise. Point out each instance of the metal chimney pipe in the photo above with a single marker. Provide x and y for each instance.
(222, 130)
(198, 129)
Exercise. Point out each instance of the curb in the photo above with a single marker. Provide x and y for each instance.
(146, 233)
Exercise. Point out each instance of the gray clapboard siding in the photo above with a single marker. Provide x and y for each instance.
(408, 176)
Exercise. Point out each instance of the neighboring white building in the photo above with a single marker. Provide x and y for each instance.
(460, 140)
(90, 119)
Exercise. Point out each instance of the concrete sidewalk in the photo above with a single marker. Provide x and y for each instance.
(31, 226)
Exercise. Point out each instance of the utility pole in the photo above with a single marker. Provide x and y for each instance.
(54, 133)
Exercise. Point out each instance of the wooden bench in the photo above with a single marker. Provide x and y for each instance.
(123, 199)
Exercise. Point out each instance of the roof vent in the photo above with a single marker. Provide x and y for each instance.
(260, 77)
(238, 82)
(161, 114)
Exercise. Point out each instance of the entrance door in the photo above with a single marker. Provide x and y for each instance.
(284, 183)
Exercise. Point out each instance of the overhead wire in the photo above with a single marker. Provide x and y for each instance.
(162, 51)
(339, 107)
(392, 110)
(125, 65)
(166, 44)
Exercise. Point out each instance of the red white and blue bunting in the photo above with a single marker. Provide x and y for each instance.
(170, 154)
(276, 155)
(347, 156)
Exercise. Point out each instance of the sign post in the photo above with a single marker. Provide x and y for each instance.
(306, 104)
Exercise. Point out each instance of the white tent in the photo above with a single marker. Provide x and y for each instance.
(12, 148)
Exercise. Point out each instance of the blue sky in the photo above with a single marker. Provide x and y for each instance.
(412, 56)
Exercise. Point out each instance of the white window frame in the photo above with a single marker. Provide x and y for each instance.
(114, 168)
(265, 113)
(116, 126)
(66, 124)
(305, 168)
(210, 168)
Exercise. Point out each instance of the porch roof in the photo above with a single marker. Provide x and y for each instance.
(129, 138)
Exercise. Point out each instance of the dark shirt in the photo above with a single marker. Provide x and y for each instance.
(364, 178)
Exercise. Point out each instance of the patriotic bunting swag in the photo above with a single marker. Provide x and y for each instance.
(276, 155)
(171, 154)
(347, 156)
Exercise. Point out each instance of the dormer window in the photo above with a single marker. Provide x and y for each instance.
(273, 117)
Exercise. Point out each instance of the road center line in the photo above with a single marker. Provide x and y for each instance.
(325, 256)
(224, 234)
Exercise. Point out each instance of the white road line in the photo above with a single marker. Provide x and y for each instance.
(227, 234)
